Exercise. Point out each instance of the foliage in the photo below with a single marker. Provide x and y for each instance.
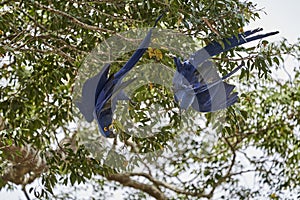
(44, 43)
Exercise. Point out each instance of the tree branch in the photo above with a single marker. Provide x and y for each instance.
(72, 19)
(125, 180)
(25, 163)
(228, 172)
(25, 192)
(169, 186)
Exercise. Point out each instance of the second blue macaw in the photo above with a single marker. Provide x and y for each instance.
(193, 85)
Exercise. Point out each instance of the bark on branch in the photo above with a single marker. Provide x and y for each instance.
(171, 187)
(125, 180)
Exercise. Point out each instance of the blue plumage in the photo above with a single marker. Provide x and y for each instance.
(206, 92)
(101, 92)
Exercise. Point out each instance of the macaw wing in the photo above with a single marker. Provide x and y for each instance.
(102, 110)
(203, 85)
(110, 90)
(217, 97)
(102, 80)
(189, 78)
(119, 93)
(106, 104)
(185, 98)
(207, 72)
(90, 86)
(186, 74)
(203, 89)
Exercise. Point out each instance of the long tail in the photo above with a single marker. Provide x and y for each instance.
(216, 48)
(138, 53)
(232, 72)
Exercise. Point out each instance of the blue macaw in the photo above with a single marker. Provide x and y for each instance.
(101, 92)
(197, 90)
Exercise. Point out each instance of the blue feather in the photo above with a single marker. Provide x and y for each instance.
(192, 88)
(105, 98)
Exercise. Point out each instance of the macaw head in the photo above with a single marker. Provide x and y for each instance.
(105, 122)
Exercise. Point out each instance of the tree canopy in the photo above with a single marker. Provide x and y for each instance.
(45, 56)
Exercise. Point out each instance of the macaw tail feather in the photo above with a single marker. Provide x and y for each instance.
(138, 53)
(215, 48)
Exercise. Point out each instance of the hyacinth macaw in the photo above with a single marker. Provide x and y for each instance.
(101, 92)
(192, 85)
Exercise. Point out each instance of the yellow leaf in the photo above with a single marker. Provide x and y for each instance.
(161, 147)
(158, 54)
(273, 196)
(151, 52)
(125, 163)
(151, 86)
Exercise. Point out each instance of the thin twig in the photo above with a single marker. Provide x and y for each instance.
(25, 192)
(73, 19)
